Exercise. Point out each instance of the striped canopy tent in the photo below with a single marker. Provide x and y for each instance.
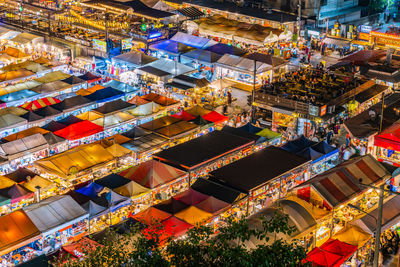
(40, 103)
(152, 174)
(341, 184)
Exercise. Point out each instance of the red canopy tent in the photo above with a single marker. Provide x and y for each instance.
(191, 197)
(152, 173)
(137, 100)
(40, 103)
(151, 216)
(389, 138)
(82, 247)
(332, 253)
(171, 227)
(213, 205)
(79, 130)
(215, 117)
(183, 115)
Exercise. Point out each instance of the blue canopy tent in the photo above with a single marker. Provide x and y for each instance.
(91, 190)
(105, 95)
(19, 97)
(116, 201)
(171, 47)
(310, 154)
(250, 128)
(298, 144)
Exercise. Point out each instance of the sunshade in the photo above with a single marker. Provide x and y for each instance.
(218, 191)
(80, 248)
(152, 173)
(222, 84)
(21, 86)
(213, 205)
(191, 197)
(25, 133)
(17, 74)
(193, 215)
(43, 183)
(174, 227)
(54, 126)
(144, 109)
(16, 231)
(389, 138)
(83, 92)
(15, 96)
(171, 206)
(115, 200)
(198, 111)
(13, 110)
(94, 209)
(73, 80)
(137, 100)
(200, 121)
(71, 119)
(79, 130)
(91, 190)
(117, 138)
(159, 99)
(177, 129)
(20, 175)
(113, 106)
(310, 154)
(338, 247)
(152, 216)
(131, 189)
(40, 103)
(6, 182)
(53, 139)
(135, 58)
(72, 102)
(124, 87)
(113, 120)
(135, 133)
(298, 144)
(112, 181)
(170, 46)
(95, 88)
(183, 115)
(16, 193)
(215, 117)
(51, 87)
(118, 151)
(14, 52)
(353, 235)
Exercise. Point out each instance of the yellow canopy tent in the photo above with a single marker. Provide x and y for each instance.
(95, 88)
(83, 92)
(118, 150)
(352, 235)
(53, 76)
(89, 116)
(131, 189)
(145, 109)
(45, 185)
(6, 182)
(193, 215)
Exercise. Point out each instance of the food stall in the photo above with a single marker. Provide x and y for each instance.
(205, 153)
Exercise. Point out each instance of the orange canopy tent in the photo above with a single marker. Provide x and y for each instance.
(151, 216)
(193, 215)
(82, 247)
(137, 100)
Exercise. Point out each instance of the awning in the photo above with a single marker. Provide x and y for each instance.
(334, 41)
(20, 147)
(131, 189)
(389, 138)
(353, 235)
(151, 216)
(191, 12)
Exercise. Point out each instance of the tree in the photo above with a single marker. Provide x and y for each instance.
(201, 247)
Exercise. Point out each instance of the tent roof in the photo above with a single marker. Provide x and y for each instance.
(191, 40)
(191, 12)
(243, 64)
(193, 215)
(320, 257)
(91, 190)
(53, 76)
(71, 119)
(174, 227)
(269, 134)
(323, 147)
(222, 49)
(73, 80)
(20, 175)
(79, 130)
(221, 84)
(353, 235)
(75, 160)
(363, 56)
(32, 143)
(72, 102)
(152, 174)
(259, 168)
(145, 143)
(89, 77)
(171, 67)
(55, 213)
(267, 59)
(90, 116)
(213, 205)
(202, 56)
(113, 106)
(154, 71)
(47, 111)
(18, 95)
(242, 133)
(309, 154)
(31, 116)
(171, 206)
(389, 138)
(137, 100)
(131, 189)
(135, 133)
(183, 115)
(53, 139)
(117, 150)
(80, 248)
(159, 123)
(6, 182)
(151, 216)
(25, 133)
(43, 183)
(159, 99)
(54, 126)
(16, 229)
(200, 121)
(135, 58)
(203, 149)
(191, 197)
(16, 74)
(124, 87)
(112, 181)
(14, 52)
(105, 94)
(114, 119)
(8, 120)
(198, 111)
(16, 193)
(217, 190)
(171, 46)
(144, 109)
(176, 129)
(298, 144)
(13, 110)
(21, 86)
(338, 247)
(340, 184)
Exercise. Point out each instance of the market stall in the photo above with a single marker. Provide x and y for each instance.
(105, 95)
(169, 49)
(90, 78)
(19, 97)
(205, 153)
(10, 123)
(131, 61)
(83, 132)
(387, 145)
(331, 253)
(75, 105)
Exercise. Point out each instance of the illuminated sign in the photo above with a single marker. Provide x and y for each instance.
(126, 44)
(365, 29)
(323, 111)
(100, 45)
(154, 35)
(363, 36)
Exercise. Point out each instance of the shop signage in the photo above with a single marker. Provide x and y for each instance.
(126, 44)
(323, 111)
(100, 45)
(313, 110)
(365, 29)
(363, 36)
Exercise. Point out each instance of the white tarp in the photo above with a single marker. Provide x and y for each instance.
(171, 66)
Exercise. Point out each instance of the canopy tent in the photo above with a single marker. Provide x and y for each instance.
(94, 209)
(82, 247)
(71, 119)
(31, 116)
(38, 181)
(25, 133)
(115, 200)
(152, 174)
(183, 115)
(17, 230)
(193, 215)
(54, 126)
(269, 134)
(21, 175)
(145, 143)
(176, 130)
(198, 111)
(152, 216)
(353, 235)
(171, 227)
(70, 103)
(13, 110)
(131, 189)
(75, 160)
(8, 34)
(114, 120)
(135, 58)
(91, 190)
(14, 52)
(113, 106)
(347, 176)
(73, 80)
(95, 88)
(16, 193)
(117, 150)
(124, 87)
(298, 144)
(192, 40)
(204, 149)
(89, 77)
(21, 86)
(201, 56)
(135, 133)
(213, 205)
(83, 92)
(15, 75)
(171, 47)
(105, 95)
(239, 132)
(137, 100)
(53, 140)
(170, 66)
(47, 111)
(191, 197)
(242, 64)
(145, 109)
(20, 147)
(389, 138)
(310, 154)
(51, 87)
(11, 120)
(40, 103)
(171, 206)
(55, 213)
(112, 181)
(79, 130)
(52, 77)
(115, 139)
(18, 95)
(6, 182)
(335, 41)
(25, 38)
(159, 99)
(90, 116)
(222, 49)
(159, 123)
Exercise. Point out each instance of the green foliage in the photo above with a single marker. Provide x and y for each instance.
(201, 247)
